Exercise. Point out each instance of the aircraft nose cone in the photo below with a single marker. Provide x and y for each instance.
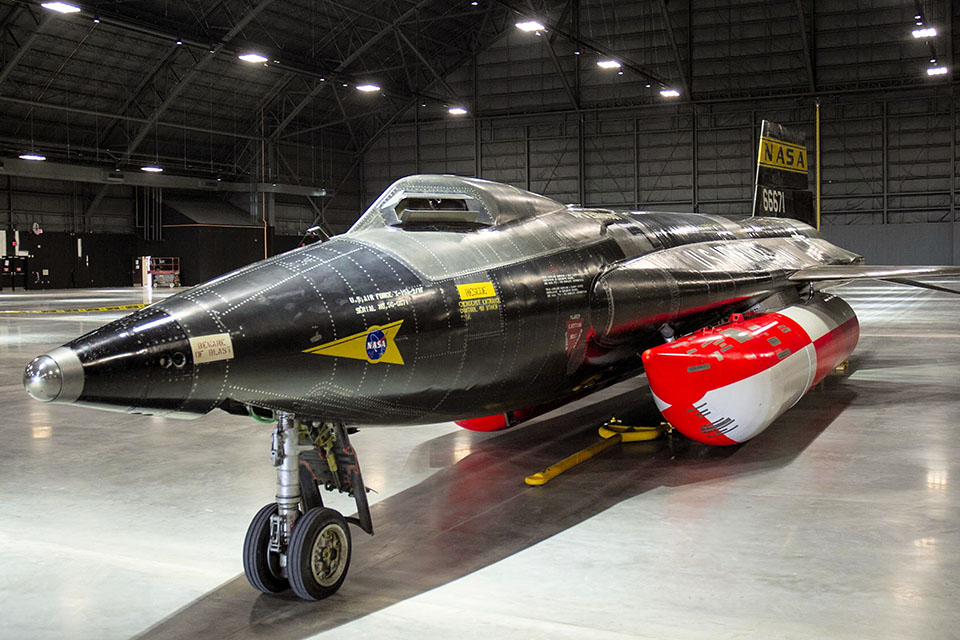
(57, 375)
(43, 379)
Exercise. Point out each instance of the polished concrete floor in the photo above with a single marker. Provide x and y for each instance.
(842, 520)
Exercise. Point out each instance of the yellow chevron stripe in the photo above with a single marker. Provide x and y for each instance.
(356, 346)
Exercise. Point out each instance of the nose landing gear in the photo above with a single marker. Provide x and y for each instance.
(296, 542)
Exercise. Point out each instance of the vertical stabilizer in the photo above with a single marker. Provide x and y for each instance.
(782, 188)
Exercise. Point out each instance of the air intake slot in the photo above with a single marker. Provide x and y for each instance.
(452, 203)
(448, 212)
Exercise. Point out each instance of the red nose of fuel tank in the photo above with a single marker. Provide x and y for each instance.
(726, 385)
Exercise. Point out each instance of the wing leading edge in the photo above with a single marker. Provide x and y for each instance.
(897, 274)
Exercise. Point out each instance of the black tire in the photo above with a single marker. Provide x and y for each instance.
(319, 554)
(261, 567)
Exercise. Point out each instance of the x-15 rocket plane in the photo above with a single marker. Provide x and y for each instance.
(461, 299)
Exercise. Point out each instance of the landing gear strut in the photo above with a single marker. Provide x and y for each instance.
(295, 542)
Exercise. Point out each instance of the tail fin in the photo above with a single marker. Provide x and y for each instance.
(782, 188)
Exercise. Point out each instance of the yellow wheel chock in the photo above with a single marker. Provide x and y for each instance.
(613, 433)
(629, 433)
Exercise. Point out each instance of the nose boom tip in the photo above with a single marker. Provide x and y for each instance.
(55, 376)
(43, 379)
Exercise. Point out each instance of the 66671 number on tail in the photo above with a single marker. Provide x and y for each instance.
(772, 201)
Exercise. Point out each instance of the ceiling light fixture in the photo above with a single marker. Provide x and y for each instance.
(457, 111)
(36, 157)
(670, 93)
(929, 32)
(367, 88)
(60, 7)
(937, 71)
(252, 57)
(530, 25)
(608, 64)
(152, 169)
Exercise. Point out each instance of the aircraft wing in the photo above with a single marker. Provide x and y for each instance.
(898, 274)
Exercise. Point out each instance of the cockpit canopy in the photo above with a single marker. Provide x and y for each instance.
(451, 203)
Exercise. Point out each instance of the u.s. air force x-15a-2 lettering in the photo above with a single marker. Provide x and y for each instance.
(461, 299)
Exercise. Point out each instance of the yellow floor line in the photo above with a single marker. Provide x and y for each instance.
(117, 307)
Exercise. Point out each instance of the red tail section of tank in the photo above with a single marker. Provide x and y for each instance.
(499, 421)
(495, 422)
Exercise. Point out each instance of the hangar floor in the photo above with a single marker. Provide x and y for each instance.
(841, 521)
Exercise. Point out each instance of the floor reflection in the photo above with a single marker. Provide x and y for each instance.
(477, 511)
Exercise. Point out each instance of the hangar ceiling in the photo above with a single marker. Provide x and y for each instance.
(127, 84)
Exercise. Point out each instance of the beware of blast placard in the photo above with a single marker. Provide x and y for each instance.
(211, 348)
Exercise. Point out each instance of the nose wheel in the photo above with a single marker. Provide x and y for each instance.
(319, 554)
(296, 542)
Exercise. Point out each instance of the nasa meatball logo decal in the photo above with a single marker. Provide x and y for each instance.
(377, 344)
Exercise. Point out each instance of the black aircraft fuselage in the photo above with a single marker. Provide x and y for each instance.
(451, 298)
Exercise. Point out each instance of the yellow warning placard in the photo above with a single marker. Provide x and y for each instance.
(783, 156)
(476, 290)
(375, 345)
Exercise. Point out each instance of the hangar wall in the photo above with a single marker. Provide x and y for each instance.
(60, 205)
(114, 233)
(885, 159)
(68, 210)
(910, 243)
(889, 147)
